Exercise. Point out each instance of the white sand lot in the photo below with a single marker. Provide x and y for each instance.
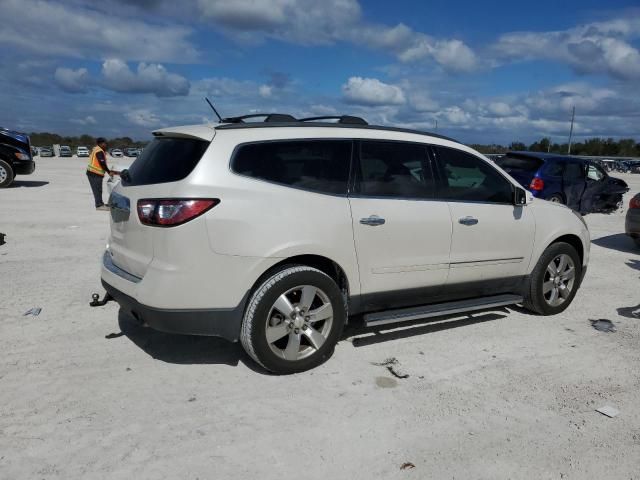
(502, 395)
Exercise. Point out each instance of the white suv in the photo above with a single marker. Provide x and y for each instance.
(276, 232)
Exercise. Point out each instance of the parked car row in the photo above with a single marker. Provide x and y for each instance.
(82, 151)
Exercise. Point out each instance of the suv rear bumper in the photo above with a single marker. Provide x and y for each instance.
(219, 322)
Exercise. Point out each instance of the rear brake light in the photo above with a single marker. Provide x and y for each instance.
(172, 212)
(536, 184)
(634, 202)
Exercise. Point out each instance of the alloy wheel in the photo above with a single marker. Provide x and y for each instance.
(3, 174)
(559, 280)
(299, 322)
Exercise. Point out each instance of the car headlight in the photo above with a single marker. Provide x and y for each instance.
(21, 156)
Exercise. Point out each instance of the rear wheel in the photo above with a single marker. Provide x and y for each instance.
(294, 320)
(556, 198)
(6, 174)
(554, 281)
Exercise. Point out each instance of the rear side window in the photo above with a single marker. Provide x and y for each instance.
(316, 165)
(554, 169)
(574, 171)
(165, 160)
(394, 169)
(522, 163)
(468, 178)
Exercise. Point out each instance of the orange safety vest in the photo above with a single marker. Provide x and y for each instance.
(94, 165)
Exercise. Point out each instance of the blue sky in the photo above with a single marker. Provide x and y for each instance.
(486, 74)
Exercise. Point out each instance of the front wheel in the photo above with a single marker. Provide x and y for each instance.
(6, 174)
(554, 281)
(294, 320)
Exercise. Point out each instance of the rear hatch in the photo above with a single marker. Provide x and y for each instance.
(521, 167)
(164, 163)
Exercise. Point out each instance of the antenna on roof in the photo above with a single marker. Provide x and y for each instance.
(214, 109)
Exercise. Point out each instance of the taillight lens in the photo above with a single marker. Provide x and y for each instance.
(172, 212)
(537, 184)
(634, 202)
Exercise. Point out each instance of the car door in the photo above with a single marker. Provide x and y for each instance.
(573, 183)
(402, 234)
(492, 238)
(595, 195)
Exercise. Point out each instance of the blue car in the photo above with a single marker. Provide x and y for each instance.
(581, 184)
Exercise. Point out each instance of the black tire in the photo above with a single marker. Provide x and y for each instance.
(261, 311)
(556, 198)
(534, 298)
(6, 174)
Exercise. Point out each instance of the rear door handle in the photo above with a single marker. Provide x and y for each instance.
(372, 220)
(468, 221)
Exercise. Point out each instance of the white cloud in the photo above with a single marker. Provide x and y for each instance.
(265, 91)
(307, 22)
(148, 78)
(72, 81)
(143, 118)
(599, 47)
(372, 92)
(88, 120)
(47, 28)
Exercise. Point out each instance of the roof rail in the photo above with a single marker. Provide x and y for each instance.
(269, 117)
(345, 119)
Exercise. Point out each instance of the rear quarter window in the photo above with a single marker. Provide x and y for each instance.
(165, 160)
(315, 165)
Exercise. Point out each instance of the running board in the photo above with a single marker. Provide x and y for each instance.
(439, 309)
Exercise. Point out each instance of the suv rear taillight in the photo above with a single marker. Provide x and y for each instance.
(537, 184)
(634, 202)
(163, 212)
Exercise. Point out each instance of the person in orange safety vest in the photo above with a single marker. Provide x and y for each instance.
(96, 169)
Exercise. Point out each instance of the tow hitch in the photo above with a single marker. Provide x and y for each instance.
(96, 302)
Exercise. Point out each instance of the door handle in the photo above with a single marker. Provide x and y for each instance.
(372, 220)
(468, 221)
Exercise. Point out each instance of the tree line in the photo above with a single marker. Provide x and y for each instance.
(624, 147)
(42, 139)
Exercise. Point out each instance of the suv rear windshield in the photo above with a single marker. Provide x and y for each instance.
(523, 163)
(165, 160)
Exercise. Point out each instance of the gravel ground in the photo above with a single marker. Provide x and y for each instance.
(506, 395)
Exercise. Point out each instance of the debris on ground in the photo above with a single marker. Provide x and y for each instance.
(603, 325)
(407, 466)
(192, 399)
(636, 313)
(35, 311)
(609, 411)
(114, 335)
(2, 235)
(392, 364)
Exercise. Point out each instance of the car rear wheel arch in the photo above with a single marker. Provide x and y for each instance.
(324, 264)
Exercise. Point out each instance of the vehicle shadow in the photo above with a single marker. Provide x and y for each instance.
(28, 183)
(184, 349)
(633, 263)
(362, 336)
(628, 312)
(618, 241)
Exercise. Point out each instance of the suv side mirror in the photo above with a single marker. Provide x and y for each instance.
(519, 196)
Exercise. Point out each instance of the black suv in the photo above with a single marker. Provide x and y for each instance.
(15, 156)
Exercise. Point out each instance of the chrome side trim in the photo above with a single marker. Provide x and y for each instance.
(496, 261)
(107, 262)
